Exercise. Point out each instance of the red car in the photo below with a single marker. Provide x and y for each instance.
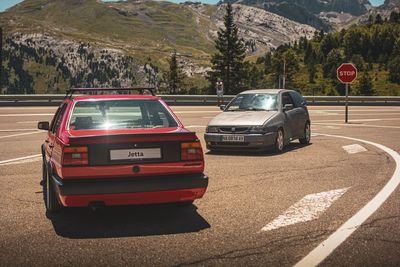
(119, 150)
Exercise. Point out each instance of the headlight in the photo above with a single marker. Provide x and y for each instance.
(212, 129)
(258, 129)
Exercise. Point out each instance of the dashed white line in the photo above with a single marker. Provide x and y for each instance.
(354, 149)
(357, 125)
(20, 134)
(323, 250)
(307, 209)
(6, 162)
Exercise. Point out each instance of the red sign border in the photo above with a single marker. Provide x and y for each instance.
(337, 72)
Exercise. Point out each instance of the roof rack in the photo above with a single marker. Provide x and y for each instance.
(141, 90)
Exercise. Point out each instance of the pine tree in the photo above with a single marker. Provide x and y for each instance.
(174, 76)
(227, 63)
(365, 85)
(394, 70)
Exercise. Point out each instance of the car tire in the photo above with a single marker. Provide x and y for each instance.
(279, 141)
(306, 136)
(49, 194)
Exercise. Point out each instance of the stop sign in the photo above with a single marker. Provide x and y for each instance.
(346, 73)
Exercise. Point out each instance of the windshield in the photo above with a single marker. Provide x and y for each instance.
(257, 102)
(120, 114)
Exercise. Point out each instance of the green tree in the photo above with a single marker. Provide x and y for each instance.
(174, 76)
(394, 70)
(333, 61)
(228, 62)
(285, 63)
(358, 61)
(365, 85)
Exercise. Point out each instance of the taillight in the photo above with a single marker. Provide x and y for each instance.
(75, 155)
(191, 151)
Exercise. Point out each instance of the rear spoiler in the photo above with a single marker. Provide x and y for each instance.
(77, 139)
(140, 89)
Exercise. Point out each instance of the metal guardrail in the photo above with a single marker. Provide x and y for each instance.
(55, 99)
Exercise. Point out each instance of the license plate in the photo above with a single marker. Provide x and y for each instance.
(232, 138)
(135, 154)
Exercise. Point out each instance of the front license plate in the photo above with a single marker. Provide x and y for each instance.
(132, 154)
(232, 138)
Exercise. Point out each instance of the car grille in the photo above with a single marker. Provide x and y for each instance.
(233, 129)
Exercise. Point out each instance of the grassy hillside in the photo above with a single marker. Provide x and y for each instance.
(136, 27)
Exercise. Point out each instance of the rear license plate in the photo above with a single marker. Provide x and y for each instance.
(132, 154)
(232, 138)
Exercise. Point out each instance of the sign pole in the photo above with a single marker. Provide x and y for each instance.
(346, 73)
(347, 104)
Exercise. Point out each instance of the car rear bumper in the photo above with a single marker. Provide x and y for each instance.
(131, 190)
(251, 141)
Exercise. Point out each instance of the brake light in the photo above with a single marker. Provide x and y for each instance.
(191, 151)
(75, 156)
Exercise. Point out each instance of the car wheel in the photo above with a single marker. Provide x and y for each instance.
(50, 197)
(279, 141)
(306, 136)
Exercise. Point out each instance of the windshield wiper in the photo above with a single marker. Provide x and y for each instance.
(236, 109)
(257, 109)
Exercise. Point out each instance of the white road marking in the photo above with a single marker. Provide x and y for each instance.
(357, 114)
(6, 162)
(323, 250)
(359, 120)
(34, 159)
(27, 121)
(26, 114)
(14, 135)
(357, 125)
(332, 127)
(307, 209)
(18, 130)
(354, 149)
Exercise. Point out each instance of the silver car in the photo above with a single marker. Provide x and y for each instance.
(260, 120)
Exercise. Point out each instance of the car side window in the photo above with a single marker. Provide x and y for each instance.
(286, 99)
(58, 118)
(298, 99)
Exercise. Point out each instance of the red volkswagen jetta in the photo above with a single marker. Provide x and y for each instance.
(119, 150)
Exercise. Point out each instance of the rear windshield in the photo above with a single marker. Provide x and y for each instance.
(120, 114)
(256, 102)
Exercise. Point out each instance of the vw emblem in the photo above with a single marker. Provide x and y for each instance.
(233, 129)
(135, 145)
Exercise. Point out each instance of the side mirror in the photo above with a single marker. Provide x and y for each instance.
(288, 107)
(43, 125)
(222, 107)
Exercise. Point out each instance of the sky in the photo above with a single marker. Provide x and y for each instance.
(4, 4)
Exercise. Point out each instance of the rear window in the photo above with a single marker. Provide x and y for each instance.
(120, 114)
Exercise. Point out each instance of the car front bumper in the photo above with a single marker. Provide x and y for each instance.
(251, 141)
(131, 190)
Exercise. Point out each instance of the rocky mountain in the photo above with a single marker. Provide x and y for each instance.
(384, 10)
(311, 12)
(54, 44)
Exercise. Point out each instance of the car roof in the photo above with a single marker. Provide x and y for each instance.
(266, 91)
(110, 97)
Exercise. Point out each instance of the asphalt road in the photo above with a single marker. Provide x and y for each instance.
(260, 209)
